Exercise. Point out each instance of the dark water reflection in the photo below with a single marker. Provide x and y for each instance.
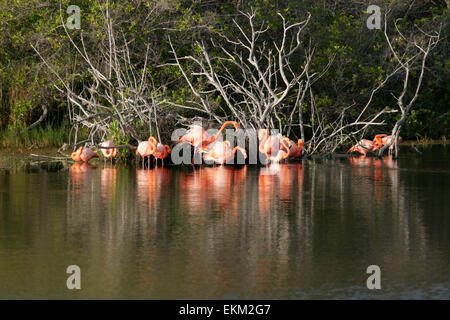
(302, 230)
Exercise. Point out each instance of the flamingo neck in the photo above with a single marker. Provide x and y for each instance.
(212, 139)
(286, 145)
(242, 150)
(263, 142)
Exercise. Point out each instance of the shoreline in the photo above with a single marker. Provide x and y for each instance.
(52, 151)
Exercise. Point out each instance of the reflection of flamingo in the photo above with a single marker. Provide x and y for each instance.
(81, 167)
(295, 150)
(77, 174)
(223, 185)
(363, 147)
(83, 154)
(151, 186)
(280, 184)
(108, 184)
(145, 149)
(383, 139)
(161, 151)
(270, 146)
(379, 169)
(220, 152)
(199, 138)
(360, 161)
(108, 153)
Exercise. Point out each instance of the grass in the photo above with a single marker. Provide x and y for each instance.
(39, 137)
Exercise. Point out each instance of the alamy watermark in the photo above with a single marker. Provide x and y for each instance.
(374, 281)
(74, 20)
(374, 20)
(74, 280)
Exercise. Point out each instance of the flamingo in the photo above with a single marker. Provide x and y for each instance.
(295, 150)
(108, 153)
(363, 147)
(83, 154)
(220, 152)
(274, 146)
(145, 149)
(383, 139)
(161, 151)
(199, 138)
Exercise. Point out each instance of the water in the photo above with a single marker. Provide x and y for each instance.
(306, 231)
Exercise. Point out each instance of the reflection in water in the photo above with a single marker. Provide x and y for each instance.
(212, 190)
(300, 230)
(108, 184)
(151, 185)
(79, 174)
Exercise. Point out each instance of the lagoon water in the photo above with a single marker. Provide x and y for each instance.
(304, 230)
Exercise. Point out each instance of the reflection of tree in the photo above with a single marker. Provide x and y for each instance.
(395, 230)
(222, 232)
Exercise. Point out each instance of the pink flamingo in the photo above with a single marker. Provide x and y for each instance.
(295, 150)
(274, 146)
(383, 139)
(108, 153)
(161, 151)
(199, 138)
(220, 152)
(363, 147)
(145, 149)
(83, 154)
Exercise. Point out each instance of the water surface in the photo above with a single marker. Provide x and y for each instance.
(301, 230)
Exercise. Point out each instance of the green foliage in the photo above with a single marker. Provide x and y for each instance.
(39, 137)
(337, 31)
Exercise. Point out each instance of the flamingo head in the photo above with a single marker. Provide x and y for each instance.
(153, 140)
(186, 138)
(377, 142)
(244, 153)
(76, 155)
(235, 125)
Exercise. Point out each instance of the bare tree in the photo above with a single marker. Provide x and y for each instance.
(256, 78)
(256, 75)
(117, 93)
(413, 55)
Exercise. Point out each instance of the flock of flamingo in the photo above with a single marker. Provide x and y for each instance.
(365, 146)
(276, 147)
